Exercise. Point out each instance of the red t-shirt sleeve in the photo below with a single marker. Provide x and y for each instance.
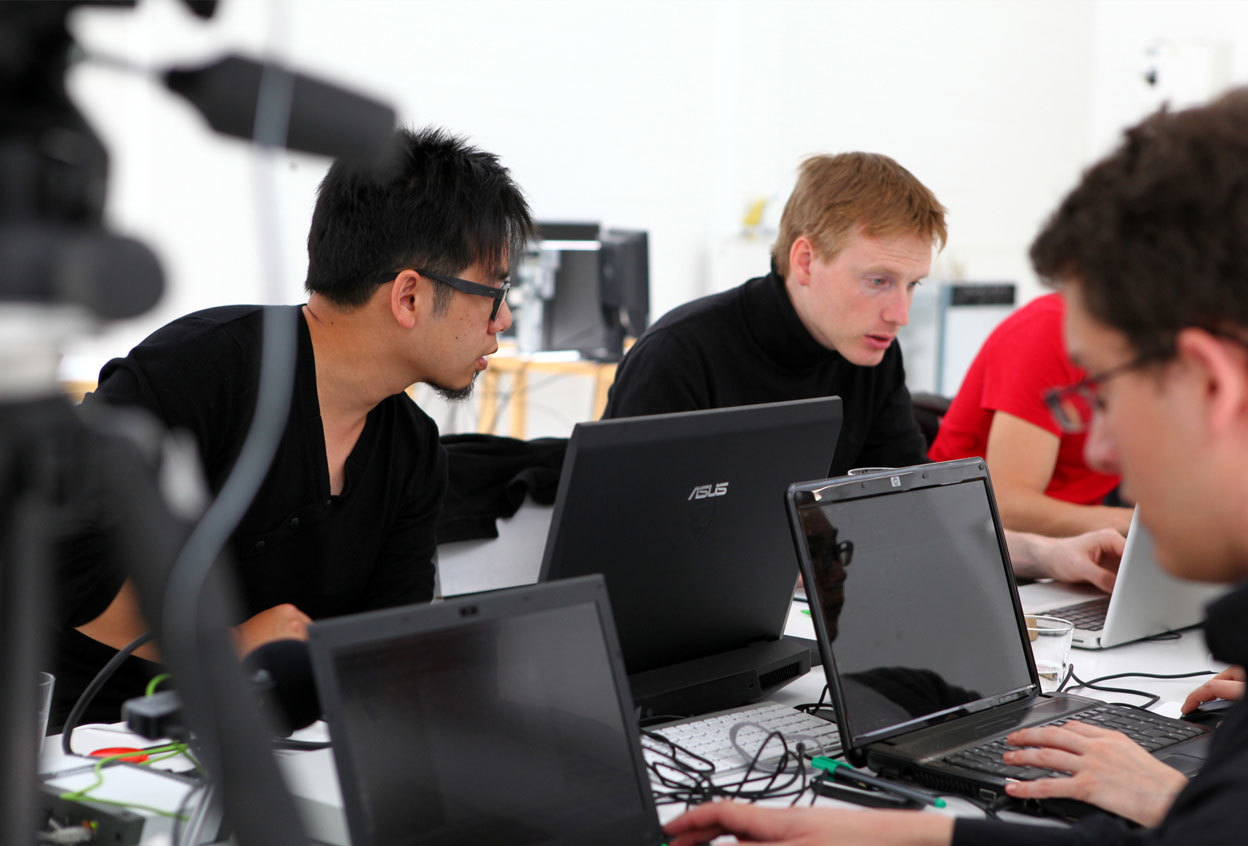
(1025, 363)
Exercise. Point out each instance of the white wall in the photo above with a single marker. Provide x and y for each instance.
(668, 115)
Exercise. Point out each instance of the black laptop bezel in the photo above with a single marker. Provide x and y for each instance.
(326, 637)
(891, 482)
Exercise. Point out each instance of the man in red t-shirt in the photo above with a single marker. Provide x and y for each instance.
(1038, 472)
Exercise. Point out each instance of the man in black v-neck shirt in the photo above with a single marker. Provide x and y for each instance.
(407, 280)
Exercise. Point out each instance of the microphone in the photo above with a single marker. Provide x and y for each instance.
(324, 119)
(280, 674)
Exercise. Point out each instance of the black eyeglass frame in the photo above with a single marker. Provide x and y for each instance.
(477, 289)
(1088, 389)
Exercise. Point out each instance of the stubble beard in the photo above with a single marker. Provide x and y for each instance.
(455, 394)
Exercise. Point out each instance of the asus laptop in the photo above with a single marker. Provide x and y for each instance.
(501, 718)
(683, 514)
(923, 638)
(1146, 600)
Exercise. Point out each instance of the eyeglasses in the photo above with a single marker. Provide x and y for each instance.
(1073, 406)
(499, 293)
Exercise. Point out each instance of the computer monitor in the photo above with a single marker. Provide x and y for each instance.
(684, 516)
(587, 289)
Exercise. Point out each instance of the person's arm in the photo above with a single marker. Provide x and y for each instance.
(808, 826)
(1228, 684)
(1092, 557)
(1107, 769)
(122, 622)
(1021, 457)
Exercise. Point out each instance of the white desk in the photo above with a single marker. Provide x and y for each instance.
(313, 780)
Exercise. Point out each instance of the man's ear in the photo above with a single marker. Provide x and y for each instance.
(1221, 365)
(410, 298)
(801, 254)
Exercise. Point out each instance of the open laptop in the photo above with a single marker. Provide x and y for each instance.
(1146, 600)
(684, 516)
(501, 718)
(922, 635)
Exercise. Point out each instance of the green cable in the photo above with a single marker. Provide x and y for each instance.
(156, 680)
(166, 751)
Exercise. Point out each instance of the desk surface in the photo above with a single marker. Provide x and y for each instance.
(312, 777)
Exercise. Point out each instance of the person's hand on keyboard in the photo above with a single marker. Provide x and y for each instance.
(1107, 769)
(1092, 557)
(806, 826)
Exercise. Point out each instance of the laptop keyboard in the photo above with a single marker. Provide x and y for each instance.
(711, 736)
(1147, 729)
(1088, 615)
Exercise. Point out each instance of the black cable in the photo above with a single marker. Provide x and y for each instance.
(1152, 698)
(89, 692)
(1070, 673)
(684, 782)
(991, 808)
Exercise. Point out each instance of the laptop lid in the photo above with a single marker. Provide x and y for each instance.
(912, 596)
(1146, 600)
(496, 718)
(684, 516)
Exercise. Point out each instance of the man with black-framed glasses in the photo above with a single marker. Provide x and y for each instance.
(1149, 254)
(407, 283)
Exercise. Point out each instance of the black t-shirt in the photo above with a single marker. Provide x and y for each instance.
(747, 346)
(370, 547)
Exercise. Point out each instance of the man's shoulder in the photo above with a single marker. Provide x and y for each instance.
(1040, 317)
(220, 331)
(710, 310)
(707, 322)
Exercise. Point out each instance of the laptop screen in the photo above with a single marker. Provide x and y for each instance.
(494, 719)
(912, 591)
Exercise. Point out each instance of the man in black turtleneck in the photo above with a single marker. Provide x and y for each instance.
(856, 238)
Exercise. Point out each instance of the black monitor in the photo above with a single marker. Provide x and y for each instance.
(684, 515)
(592, 289)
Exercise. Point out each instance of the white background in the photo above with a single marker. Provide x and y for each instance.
(665, 115)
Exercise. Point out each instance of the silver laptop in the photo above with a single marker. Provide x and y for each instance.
(1146, 600)
(923, 639)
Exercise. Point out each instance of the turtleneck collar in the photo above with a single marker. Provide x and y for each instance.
(774, 325)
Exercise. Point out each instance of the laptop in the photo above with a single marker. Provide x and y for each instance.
(1146, 600)
(684, 516)
(500, 718)
(923, 638)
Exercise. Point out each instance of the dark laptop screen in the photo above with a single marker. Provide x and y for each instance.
(920, 618)
(496, 728)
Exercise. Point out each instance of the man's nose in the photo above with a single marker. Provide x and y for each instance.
(502, 320)
(1099, 450)
(897, 311)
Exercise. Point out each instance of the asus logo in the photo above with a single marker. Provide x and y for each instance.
(705, 491)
